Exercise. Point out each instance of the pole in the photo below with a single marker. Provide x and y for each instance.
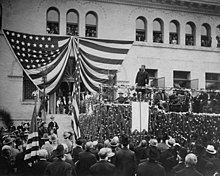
(140, 94)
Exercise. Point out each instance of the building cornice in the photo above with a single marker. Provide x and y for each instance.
(190, 6)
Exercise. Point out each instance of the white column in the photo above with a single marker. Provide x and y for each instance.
(182, 34)
(166, 32)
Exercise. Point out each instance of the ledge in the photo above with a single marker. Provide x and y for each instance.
(172, 46)
(27, 102)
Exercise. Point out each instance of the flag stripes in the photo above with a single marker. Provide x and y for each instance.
(100, 59)
(32, 148)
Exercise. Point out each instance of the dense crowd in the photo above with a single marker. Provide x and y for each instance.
(158, 154)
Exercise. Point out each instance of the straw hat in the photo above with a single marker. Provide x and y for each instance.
(211, 149)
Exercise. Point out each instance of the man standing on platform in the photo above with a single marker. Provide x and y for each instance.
(53, 125)
(141, 80)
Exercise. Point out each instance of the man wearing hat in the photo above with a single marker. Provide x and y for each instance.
(59, 167)
(47, 146)
(77, 149)
(126, 162)
(53, 125)
(103, 167)
(151, 167)
(204, 166)
(66, 136)
(121, 99)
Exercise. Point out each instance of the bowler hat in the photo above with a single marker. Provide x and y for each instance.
(59, 151)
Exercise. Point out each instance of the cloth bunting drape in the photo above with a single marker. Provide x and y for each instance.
(46, 56)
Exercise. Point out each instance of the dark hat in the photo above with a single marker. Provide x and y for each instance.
(153, 153)
(52, 117)
(8, 141)
(200, 149)
(59, 151)
(79, 141)
(125, 140)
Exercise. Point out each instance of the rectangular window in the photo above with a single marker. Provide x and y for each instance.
(28, 88)
(52, 27)
(212, 80)
(72, 29)
(140, 35)
(152, 77)
(181, 79)
(91, 31)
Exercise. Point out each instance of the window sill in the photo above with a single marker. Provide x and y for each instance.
(27, 102)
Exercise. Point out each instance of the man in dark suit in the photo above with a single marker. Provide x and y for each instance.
(190, 162)
(204, 166)
(76, 150)
(151, 167)
(141, 151)
(39, 167)
(53, 125)
(86, 160)
(103, 167)
(142, 78)
(59, 167)
(126, 162)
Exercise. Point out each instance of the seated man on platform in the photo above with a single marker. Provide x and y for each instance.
(121, 99)
(161, 99)
(174, 102)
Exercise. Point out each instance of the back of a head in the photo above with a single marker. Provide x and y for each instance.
(143, 143)
(43, 153)
(88, 146)
(102, 153)
(190, 160)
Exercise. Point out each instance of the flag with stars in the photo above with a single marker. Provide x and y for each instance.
(41, 56)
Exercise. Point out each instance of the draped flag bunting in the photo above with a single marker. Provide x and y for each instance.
(100, 59)
(32, 148)
(47, 55)
(76, 98)
(41, 56)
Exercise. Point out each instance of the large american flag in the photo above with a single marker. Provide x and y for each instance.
(47, 56)
(41, 56)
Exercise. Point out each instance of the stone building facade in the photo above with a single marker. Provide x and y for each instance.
(177, 40)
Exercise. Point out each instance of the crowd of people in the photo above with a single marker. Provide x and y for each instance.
(161, 155)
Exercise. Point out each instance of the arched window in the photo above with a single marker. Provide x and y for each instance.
(91, 24)
(72, 22)
(158, 30)
(174, 32)
(141, 24)
(218, 36)
(190, 33)
(53, 21)
(0, 17)
(206, 39)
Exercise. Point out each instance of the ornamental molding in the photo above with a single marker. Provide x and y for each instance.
(189, 6)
